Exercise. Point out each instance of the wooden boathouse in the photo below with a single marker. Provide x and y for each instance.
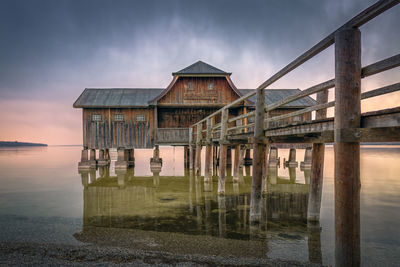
(129, 118)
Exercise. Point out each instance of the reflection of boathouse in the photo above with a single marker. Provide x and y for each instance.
(141, 117)
(186, 205)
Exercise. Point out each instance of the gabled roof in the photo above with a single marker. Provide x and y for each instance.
(201, 68)
(116, 97)
(275, 95)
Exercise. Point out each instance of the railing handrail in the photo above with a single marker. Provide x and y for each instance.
(377, 67)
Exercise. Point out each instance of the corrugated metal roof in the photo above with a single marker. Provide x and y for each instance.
(139, 97)
(116, 97)
(201, 68)
(275, 95)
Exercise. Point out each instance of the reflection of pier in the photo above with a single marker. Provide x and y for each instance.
(137, 202)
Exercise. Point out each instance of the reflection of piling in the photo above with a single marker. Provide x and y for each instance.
(221, 216)
(84, 177)
(121, 174)
(314, 242)
(273, 174)
(292, 174)
(273, 160)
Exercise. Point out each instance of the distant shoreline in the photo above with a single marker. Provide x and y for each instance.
(18, 144)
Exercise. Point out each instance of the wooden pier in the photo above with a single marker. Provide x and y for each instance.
(261, 129)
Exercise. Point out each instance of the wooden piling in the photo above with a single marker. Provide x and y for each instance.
(223, 152)
(197, 161)
(236, 164)
(347, 154)
(92, 161)
(208, 157)
(317, 167)
(215, 159)
(258, 157)
(191, 148)
(185, 157)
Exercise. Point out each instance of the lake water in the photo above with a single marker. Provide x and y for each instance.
(44, 199)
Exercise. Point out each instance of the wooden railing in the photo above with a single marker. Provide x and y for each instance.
(221, 129)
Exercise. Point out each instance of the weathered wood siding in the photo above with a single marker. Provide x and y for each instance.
(181, 117)
(200, 93)
(172, 136)
(109, 133)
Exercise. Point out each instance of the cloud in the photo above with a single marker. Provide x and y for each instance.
(51, 50)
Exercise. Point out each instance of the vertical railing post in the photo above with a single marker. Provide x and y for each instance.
(208, 157)
(317, 167)
(347, 152)
(258, 157)
(191, 148)
(197, 161)
(223, 151)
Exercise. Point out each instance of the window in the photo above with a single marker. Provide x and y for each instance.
(190, 86)
(96, 117)
(210, 86)
(119, 117)
(140, 117)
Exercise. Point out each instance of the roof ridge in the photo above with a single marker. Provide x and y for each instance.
(200, 67)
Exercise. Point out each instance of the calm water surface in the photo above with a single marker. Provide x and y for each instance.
(43, 198)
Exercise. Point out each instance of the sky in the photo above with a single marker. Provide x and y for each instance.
(51, 50)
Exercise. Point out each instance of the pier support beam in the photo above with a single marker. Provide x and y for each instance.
(197, 161)
(131, 157)
(258, 157)
(191, 149)
(215, 159)
(209, 153)
(292, 159)
(156, 161)
(92, 160)
(229, 158)
(84, 163)
(186, 157)
(236, 164)
(347, 154)
(121, 162)
(102, 158)
(317, 167)
(223, 152)
(307, 158)
(273, 160)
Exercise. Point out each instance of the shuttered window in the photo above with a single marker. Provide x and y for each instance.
(96, 117)
(119, 117)
(140, 117)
